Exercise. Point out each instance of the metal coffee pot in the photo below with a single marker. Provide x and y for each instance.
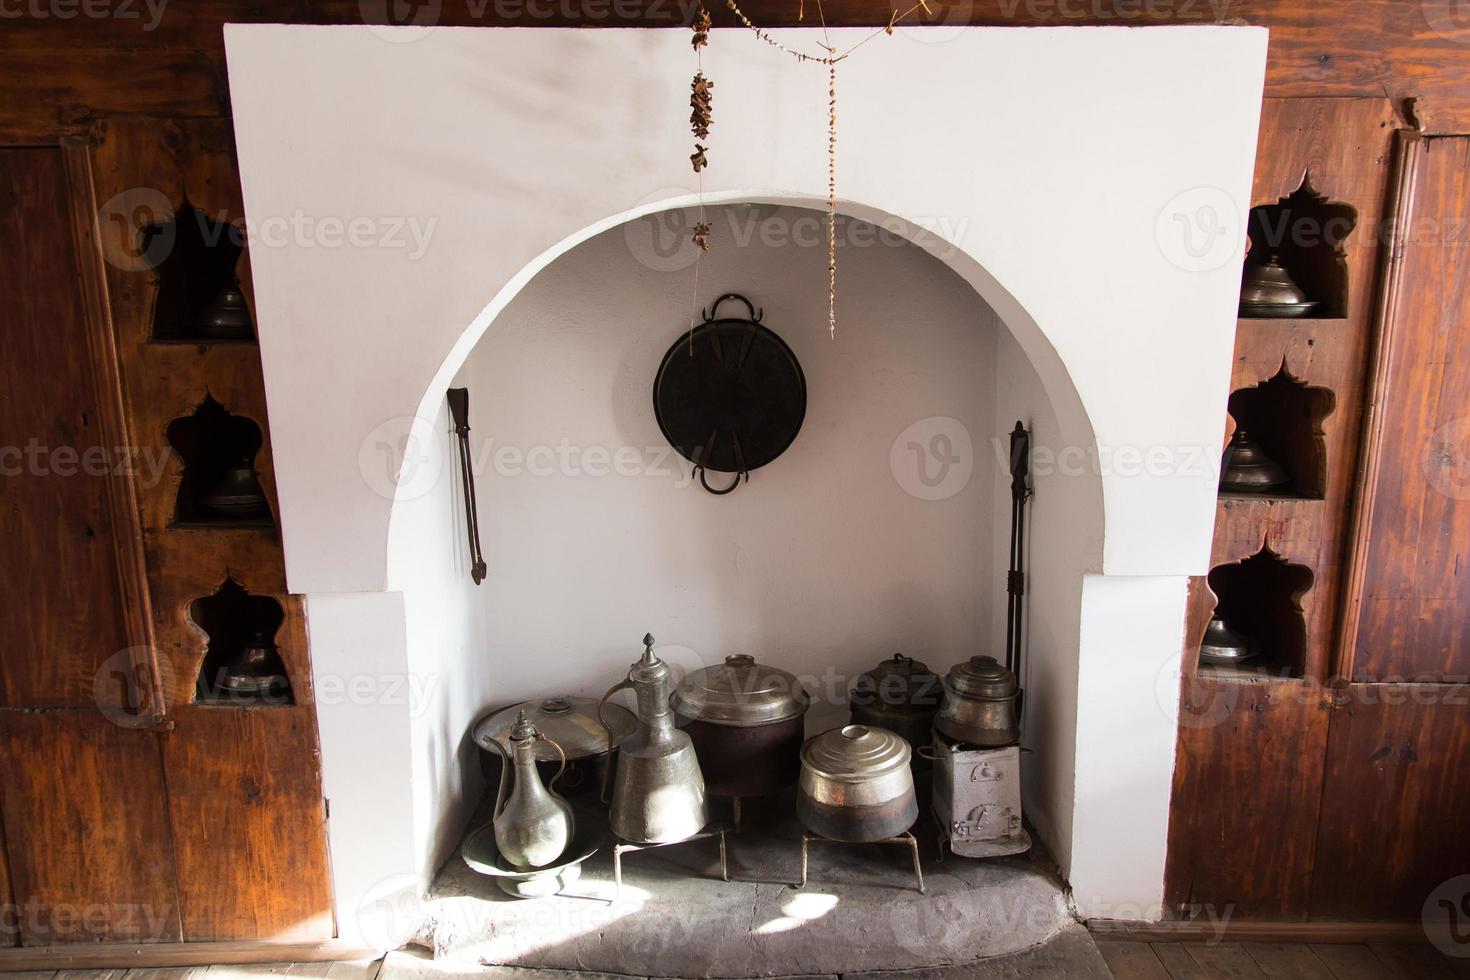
(534, 826)
(658, 792)
(979, 706)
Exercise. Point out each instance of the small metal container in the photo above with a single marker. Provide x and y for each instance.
(856, 785)
(746, 721)
(979, 706)
(902, 695)
(1247, 469)
(1223, 646)
(569, 722)
(1267, 290)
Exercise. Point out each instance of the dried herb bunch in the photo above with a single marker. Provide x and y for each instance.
(700, 92)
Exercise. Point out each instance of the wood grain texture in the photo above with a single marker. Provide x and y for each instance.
(90, 858)
(1410, 615)
(244, 784)
(1284, 961)
(249, 823)
(180, 960)
(1394, 800)
(1351, 48)
(1132, 961)
(1247, 780)
(9, 927)
(1354, 963)
(59, 586)
(1344, 146)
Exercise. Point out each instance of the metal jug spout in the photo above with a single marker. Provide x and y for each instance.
(658, 792)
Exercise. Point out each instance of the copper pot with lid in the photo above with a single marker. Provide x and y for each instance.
(746, 721)
(902, 695)
(571, 723)
(979, 706)
(856, 785)
(1223, 646)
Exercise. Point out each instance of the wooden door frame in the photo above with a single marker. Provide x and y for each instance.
(122, 491)
(1409, 149)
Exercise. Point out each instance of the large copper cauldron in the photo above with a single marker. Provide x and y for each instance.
(746, 722)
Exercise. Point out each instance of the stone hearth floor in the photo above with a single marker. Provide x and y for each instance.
(858, 914)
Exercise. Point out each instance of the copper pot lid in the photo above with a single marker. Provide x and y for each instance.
(569, 722)
(740, 693)
(898, 681)
(855, 753)
(982, 679)
(1247, 467)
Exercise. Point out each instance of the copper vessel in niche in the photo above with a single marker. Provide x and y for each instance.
(1267, 290)
(1247, 469)
(1223, 646)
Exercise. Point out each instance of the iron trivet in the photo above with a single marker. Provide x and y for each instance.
(621, 845)
(907, 837)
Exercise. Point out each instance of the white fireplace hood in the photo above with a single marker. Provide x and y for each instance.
(1089, 183)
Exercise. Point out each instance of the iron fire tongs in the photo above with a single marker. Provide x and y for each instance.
(459, 408)
(1016, 576)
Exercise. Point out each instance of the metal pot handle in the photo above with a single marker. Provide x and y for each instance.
(928, 752)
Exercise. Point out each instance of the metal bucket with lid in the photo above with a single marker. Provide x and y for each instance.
(856, 785)
(979, 706)
(746, 720)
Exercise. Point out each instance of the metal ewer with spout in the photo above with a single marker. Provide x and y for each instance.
(658, 792)
(534, 826)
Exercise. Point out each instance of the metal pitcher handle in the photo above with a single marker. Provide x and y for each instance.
(553, 743)
(621, 685)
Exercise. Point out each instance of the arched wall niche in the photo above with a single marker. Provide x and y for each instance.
(501, 649)
(1066, 202)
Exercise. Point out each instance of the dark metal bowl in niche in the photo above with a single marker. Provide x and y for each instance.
(729, 395)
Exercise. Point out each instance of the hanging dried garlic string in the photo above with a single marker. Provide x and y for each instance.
(830, 59)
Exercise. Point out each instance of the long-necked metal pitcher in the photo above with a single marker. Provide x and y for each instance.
(658, 792)
(533, 825)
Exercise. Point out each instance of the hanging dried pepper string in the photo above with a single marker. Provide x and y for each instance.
(700, 104)
(830, 59)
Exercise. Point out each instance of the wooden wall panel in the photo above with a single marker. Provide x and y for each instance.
(1395, 800)
(1410, 614)
(86, 829)
(1247, 779)
(58, 579)
(1344, 147)
(9, 922)
(244, 783)
(249, 824)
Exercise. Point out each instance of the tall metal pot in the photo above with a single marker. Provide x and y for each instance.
(979, 706)
(902, 695)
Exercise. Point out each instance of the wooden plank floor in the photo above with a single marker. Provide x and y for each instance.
(1278, 961)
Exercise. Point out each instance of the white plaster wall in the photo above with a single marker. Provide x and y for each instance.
(1064, 497)
(825, 562)
(1070, 168)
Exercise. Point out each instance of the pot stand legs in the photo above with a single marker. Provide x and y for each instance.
(622, 846)
(905, 838)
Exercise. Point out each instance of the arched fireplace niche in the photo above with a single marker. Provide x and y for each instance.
(1062, 213)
